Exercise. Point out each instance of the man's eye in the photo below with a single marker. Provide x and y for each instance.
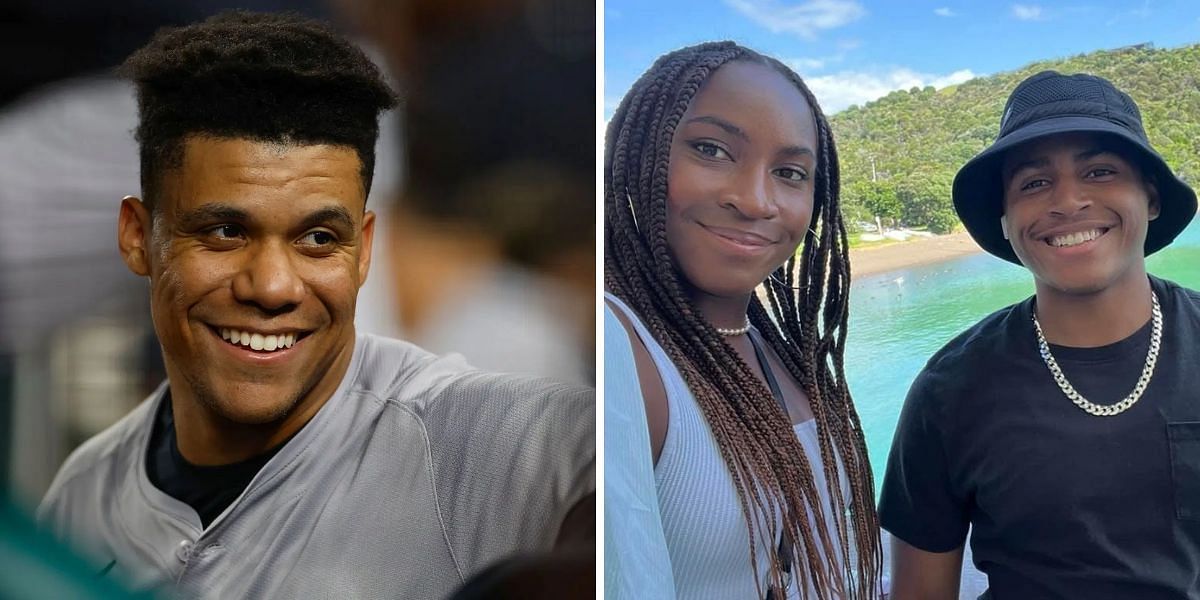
(225, 232)
(1100, 172)
(318, 238)
(1034, 184)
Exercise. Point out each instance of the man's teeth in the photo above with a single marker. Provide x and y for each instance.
(258, 341)
(1074, 239)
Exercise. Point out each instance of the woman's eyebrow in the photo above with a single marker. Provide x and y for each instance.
(796, 151)
(734, 130)
(729, 128)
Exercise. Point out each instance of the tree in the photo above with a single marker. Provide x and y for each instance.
(926, 200)
(881, 200)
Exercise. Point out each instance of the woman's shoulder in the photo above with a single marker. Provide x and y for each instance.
(617, 312)
(629, 365)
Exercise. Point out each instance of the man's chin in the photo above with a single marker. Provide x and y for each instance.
(250, 404)
(1076, 284)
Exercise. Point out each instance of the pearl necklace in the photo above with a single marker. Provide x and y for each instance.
(1143, 381)
(734, 331)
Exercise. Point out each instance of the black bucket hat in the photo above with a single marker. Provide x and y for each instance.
(1050, 103)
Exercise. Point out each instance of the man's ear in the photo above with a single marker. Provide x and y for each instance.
(1155, 207)
(364, 256)
(1004, 226)
(134, 227)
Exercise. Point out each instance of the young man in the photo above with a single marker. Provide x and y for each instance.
(287, 456)
(1063, 430)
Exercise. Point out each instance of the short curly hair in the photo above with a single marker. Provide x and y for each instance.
(272, 77)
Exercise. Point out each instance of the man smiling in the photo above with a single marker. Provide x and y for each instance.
(287, 455)
(1063, 429)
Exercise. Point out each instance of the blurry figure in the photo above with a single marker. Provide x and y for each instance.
(66, 156)
(459, 289)
(493, 236)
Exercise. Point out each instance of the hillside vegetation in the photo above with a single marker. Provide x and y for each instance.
(899, 154)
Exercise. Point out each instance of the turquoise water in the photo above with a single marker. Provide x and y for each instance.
(900, 318)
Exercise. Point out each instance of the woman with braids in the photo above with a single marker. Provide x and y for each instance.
(718, 166)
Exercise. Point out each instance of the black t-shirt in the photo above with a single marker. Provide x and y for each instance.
(1063, 504)
(208, 490)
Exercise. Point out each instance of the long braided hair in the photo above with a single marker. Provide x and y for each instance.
(805, 325)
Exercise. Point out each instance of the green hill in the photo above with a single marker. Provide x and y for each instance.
(916, 140)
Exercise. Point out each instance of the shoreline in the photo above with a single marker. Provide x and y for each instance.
(873, 260)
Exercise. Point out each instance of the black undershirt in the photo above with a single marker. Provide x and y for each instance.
(208, 490)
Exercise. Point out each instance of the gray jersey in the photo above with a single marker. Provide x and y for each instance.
(418, 473)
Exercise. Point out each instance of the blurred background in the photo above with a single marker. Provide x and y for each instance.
(484, 186)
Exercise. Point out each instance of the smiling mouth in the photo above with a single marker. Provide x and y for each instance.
(737, 236)
(259, 342)
(1076, 238)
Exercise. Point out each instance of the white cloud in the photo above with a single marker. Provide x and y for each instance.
(944, 12)
(803, 19)
(1027, 12)
(838, 91)
(805, 65)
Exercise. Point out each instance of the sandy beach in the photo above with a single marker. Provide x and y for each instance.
(914, 252)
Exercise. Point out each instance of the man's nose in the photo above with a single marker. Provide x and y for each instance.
(269, 278)
(1068, 197)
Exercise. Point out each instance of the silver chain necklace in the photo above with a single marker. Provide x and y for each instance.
(1143, 381)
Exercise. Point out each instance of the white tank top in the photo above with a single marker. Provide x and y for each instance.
(705, 530)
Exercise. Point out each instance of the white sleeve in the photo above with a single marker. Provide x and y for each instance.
(636, 562)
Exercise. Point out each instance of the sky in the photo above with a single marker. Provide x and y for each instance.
(854, 51)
